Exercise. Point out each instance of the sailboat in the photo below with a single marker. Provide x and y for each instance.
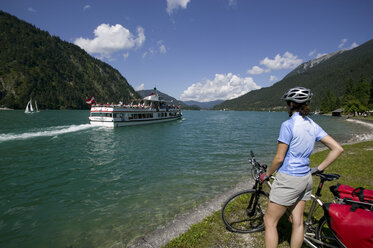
(29, 109)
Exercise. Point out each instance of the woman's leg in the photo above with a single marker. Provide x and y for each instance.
(298, 228)
(271, 218)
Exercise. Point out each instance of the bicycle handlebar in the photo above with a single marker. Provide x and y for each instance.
(260, 168)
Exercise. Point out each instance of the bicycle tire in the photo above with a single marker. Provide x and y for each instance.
(325, 234)
(235, 212)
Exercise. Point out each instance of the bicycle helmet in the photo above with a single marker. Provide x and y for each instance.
(298, 95)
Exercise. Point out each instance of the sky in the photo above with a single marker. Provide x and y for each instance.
(202, 50)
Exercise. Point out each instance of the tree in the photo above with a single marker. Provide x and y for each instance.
(370, 103)
(362, 91)
(354, 106)
(349, 91)
(329, 103)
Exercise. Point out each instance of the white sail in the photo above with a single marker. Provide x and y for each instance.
(27, 110)
(31, 108)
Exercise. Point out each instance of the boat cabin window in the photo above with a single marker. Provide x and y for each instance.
(102, 114)
(139, 116)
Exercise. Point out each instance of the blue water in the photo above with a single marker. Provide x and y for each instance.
(64, 183)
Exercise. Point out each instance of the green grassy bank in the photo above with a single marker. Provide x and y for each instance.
(355, 166)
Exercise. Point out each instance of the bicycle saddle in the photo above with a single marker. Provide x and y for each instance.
(328, 177)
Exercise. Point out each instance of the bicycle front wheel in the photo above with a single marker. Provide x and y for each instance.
(244, 211)
(254, 173)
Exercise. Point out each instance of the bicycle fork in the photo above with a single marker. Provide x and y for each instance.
(251, 208)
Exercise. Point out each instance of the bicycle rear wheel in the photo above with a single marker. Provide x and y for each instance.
(325, 234)
(243, 213)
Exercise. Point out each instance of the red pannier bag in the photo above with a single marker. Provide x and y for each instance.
(343, 191)
(353, 226)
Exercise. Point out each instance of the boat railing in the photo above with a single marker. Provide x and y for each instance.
(134, 106)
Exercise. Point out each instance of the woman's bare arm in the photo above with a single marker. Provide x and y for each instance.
(278, 159)
(335, 150)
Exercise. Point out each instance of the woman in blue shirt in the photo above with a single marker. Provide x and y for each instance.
(293, 183)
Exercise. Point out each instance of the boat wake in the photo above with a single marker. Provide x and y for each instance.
(47, 132)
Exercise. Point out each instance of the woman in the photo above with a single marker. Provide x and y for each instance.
(293, 184)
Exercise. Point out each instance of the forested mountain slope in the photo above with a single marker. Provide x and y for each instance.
(330, 74)
(58, 74)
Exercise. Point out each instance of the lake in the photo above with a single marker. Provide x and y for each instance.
(64, 183)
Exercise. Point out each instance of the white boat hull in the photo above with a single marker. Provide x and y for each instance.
(116, 116)
(111, 123)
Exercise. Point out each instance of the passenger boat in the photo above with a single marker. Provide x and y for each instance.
(150, 109)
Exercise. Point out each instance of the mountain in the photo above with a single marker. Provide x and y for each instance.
(144, 93)
(204, 105)
(185, 105)
(328, 73)
(310, 64)
(58, 74)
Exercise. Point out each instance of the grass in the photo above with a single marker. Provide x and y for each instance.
(355, 166)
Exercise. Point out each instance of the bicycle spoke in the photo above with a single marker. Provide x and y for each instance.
(237, 217)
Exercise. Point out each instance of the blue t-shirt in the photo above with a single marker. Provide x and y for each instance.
(300, 134)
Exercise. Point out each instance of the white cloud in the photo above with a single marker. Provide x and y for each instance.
(256, 70)
(272, 78)
(86, 7)
(353, 45)
(162, 47)
(110, 39)
(149, 53)
(176, 4)
(222, 87)
(31, 9)
(232, 3)
(343, 42)
(312, 53)
(140, 87)
(126, 55)
(319, 55)
(287, 61)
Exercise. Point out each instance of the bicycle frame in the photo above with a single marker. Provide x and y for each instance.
(309, 231)
(310, 237)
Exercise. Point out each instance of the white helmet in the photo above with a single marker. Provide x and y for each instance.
(298, 95)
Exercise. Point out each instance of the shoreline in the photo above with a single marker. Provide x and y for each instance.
(5, 108)
(182, 223)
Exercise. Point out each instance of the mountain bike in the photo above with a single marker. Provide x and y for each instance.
(243, 212)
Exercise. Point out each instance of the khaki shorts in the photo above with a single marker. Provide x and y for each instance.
(288, 190)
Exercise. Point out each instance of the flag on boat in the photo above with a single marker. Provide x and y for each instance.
(90, 100)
